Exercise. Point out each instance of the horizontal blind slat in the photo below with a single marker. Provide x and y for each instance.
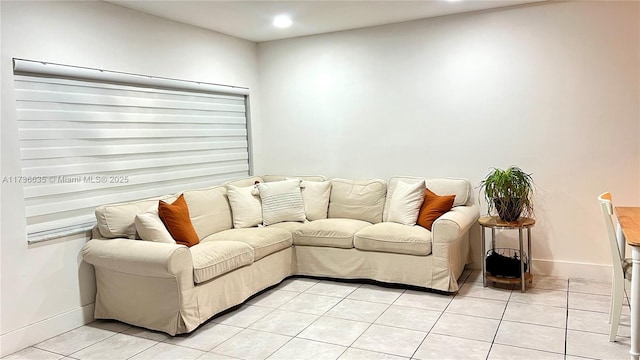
(115, 117)
(53, 152)
(41, 134)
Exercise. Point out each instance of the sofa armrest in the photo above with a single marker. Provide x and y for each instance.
(454, 223)
(139, 257)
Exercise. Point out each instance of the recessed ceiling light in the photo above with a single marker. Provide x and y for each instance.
(282, 21)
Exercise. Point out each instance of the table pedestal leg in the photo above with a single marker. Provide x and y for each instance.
(522, 277)
(635, 305)
(529, 251)
(483, 257)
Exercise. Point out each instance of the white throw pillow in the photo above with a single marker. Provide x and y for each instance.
(245, 206)
(281, 201)
(405, 202)
(150, 227)
(316, 198)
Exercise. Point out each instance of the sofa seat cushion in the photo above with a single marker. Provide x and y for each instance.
(394, 238)
(329, 232)
(263, 240)
(290, 226)
(213, 259)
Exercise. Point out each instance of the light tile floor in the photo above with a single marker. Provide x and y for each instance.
(315, 319)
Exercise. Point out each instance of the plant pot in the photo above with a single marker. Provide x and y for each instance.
(509, 209)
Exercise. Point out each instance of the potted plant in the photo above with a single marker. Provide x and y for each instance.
(509, 192)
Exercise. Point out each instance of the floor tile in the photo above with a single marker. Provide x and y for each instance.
(32, 353)
(468, 327)
(375, 294)
(549, 283)
(465, 274)
(465, 305)
(390, 340)
(505, 352)
(302, 349)
(359, 354)
(474, 277)
(251, 344)
(531, 336)
(273, 298)
(117, 347)
(214, 356)
(536, 314)
(334, 331)
(591, 345)
(111, 325)
(205, 337)
(424, 300)
(409, 318)
(311, 304)
(297, 284)
(357, 310)
(284, 322)
(147, 334)
(479, 291)
(244, 316)
(541, 297)
(445, 347)
(597, 322)
(329, 288)
(589, 302)
(589, 286)
(163, 351)
(74, 340)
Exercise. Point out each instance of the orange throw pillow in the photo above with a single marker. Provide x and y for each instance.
(175, 218)
(433, 207)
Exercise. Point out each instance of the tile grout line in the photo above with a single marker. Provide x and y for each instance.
(499, 324)
(439, 316)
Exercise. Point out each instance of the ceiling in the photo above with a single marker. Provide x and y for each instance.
(252, 20)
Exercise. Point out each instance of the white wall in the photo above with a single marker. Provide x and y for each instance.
(46, 289)
(551, 87)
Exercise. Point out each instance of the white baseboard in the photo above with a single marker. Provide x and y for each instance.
(42, 330)
(567, 269)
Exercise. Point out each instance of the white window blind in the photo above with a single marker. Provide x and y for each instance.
(90, 137)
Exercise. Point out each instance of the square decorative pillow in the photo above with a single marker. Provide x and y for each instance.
(150, 227)
(175, 218)
(281, 201)
(433, 207)
(405, 202)
(315, 195)
(245, 206)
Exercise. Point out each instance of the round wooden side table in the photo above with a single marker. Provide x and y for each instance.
(494, 222)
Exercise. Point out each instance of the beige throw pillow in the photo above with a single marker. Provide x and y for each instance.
(281, 201)
(316, 199)
(150, 227)
(245, 206)
(405, 202)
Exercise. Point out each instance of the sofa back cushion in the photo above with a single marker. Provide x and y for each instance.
(461, 188)
(117, 220)
(269, 178)
(357, 199)
(209, 210)
(250, 181)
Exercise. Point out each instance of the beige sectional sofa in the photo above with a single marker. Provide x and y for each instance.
(174, 288)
